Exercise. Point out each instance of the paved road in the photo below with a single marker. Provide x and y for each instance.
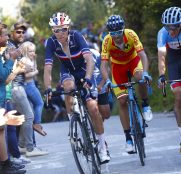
(162, 149)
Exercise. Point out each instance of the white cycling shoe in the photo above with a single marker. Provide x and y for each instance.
(103, 155)
(147, 113)
(129, 147)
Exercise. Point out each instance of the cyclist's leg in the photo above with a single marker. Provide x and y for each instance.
(97, 120)
(175, 74)
(103, 105)
(103, 99)
(99, 129)
(121, 94)
(177, 103)
(68, 82)
(95, 116)
(137, 70)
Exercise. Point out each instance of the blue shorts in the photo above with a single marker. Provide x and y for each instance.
(93, 89)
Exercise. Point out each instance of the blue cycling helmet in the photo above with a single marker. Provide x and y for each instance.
(115, 23)
(171, 16)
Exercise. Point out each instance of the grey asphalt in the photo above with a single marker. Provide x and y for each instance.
(161, 144)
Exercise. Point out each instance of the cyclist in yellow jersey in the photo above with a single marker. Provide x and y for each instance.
(125, 52)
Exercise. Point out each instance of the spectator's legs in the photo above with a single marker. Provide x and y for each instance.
(35, 98)
(12, 141)
(22, 105)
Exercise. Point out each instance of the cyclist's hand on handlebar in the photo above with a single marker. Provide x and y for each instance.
(146, 76)
(87, 83)
(161, 81)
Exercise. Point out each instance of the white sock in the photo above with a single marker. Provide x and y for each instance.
(101, 141)
(69, 116)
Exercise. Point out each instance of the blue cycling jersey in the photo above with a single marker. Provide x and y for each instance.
(173, 47)
(75, 63)
(164, 39)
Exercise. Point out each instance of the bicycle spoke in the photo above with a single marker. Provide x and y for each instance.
(82, 151)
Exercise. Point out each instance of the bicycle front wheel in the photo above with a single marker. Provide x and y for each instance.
(81, 145)
(137, 132)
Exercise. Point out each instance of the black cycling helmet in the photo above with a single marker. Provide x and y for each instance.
(115, 23)
(171, 16)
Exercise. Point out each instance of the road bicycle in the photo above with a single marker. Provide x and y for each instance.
(84, 143)
(137, 122)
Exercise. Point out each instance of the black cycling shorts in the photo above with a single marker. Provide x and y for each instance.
(174, 64)
(103, 99)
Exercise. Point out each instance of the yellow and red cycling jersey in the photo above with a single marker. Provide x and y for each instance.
(132, 45)
(123, 59)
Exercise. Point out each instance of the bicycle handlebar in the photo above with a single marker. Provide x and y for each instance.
(127, 84)
(164, 86)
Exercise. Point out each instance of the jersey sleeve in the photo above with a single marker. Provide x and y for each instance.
(82, 43)
(105, 55)
(161, 39)
(49, 52)
(135, 40)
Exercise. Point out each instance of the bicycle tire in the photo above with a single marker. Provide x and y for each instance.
(81, 146)
(94, 142)
(137, 133)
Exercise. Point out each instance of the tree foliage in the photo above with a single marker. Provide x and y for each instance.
(143, 16)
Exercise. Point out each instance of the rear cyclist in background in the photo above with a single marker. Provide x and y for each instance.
(125, 51)
(77, 63)
(169, 44)
(104, 99)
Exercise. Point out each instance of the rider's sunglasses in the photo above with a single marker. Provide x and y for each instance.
(172, 27)
(58, 30)
(116, 33)
(20, 32)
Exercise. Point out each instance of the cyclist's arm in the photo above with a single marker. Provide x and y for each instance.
(161, 45)
(104, 70)
(89, 65)
(105, 56)
(144, 60)
(49, 54)
(161, 61)
(47, 76)
(139, 48)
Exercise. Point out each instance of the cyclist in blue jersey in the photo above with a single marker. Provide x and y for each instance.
(77, 63)
(169, 44)
(104, 99)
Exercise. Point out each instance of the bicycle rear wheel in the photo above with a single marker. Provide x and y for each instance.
(138, 133)
(81, 145)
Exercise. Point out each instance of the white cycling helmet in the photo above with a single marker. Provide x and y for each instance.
(59, 19)
(171, 16)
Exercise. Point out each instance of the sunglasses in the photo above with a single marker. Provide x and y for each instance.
(20, 32)
(58, 30)
(116, 33)
(172, 27)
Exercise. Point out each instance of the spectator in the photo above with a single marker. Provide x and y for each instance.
(5, 70)
(12, 139)
(20, 99)
(28, 52)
